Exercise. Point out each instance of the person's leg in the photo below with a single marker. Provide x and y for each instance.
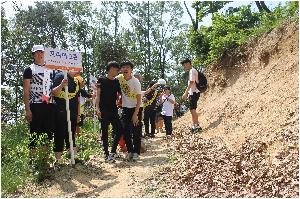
(127, 128)
(194, 117)
(117, 129)
(166, 123)
(146, 121)
(193, 99)
(59, 134)
(104, 132)
(152, 121)
(169, 125)
(137, 134)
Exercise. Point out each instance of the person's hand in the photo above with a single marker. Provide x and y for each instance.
(28, 116)
(184, 96)
(98, 113)
(64, 82)
(135, 120)
(78, 118)
(93, 95)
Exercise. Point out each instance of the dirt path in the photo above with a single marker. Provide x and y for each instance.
(99, 179)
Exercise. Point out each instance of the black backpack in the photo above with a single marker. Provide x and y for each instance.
(202, 82)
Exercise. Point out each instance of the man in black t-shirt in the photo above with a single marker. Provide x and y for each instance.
(106, 108)
(61, 134)
(39, 109)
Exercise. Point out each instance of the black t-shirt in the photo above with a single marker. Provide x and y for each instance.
(27, 73)
(108, 96)
(73, 102)
(149, 96)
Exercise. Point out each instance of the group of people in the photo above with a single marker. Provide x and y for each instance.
(45, 105)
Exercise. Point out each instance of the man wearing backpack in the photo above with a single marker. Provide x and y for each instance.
(192, 92)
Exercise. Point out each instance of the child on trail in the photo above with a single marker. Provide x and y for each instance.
(168, 101)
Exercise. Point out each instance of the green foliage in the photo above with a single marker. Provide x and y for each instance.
(235, 27)
(41, 156)
(88, 141)
(14, 156)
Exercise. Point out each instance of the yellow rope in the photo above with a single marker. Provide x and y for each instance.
(125, 88)
(151, 100)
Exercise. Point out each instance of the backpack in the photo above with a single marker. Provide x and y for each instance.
(202, 82)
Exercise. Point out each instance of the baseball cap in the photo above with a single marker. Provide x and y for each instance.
(37, 47)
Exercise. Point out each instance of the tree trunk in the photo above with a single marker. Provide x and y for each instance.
(262, 6)
(148, 36)
(116, 20)
(193, 21)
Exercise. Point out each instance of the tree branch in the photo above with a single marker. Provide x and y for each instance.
(193, 21)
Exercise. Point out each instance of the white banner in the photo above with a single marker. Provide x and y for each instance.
(62, 59)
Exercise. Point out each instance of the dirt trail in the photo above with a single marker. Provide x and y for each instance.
(99, 179)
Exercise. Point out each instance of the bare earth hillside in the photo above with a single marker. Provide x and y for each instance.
(249, 147)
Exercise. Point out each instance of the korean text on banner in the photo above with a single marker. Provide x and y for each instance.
(62, 59)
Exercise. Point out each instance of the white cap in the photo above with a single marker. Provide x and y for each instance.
(162, 81)
(37, 47)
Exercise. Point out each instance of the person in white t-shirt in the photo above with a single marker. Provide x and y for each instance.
(167, 100)
(131, 110)
(193, 93)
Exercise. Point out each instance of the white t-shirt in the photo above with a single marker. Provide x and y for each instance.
(168, 107)
(135, 87)
(193, 76)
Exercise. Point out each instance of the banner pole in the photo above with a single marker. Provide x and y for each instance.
(69, 122)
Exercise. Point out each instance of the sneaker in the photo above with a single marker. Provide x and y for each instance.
(129, 157)
(114, 155)
(169, 137)
(135, 157)
(110, 159)
(196, 129)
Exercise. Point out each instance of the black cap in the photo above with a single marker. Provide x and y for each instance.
(112, 64)
(186, 60)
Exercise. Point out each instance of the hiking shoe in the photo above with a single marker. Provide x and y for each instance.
(135, 157)
(129, 157)
(112, 158)
(196, 129)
